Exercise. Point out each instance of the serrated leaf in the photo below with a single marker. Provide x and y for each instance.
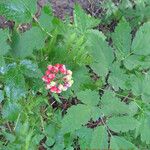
(137, 62)
(81, 78)
(122, 124)
(73, 121)
(10, 111)
(102, 54)
(4, 47)
(1, 96)
(110, 103)
(141, 41)
(144, 129)
(118, 78)
(140, 86)
(118, 143)
(122, 39)
(85, 135)
(88, 97)
(24, 45)
(30, 69)
(84, 21)
(46, 19)
(15, 84)
(99, 138)
(18, 11)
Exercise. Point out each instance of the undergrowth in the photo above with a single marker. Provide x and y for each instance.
(107, 107)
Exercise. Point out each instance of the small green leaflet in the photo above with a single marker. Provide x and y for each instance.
(84, 21)
(144, 129)
(141, 41)
(14, 84)
(102, 53)
(4, 47)
(18, 10)
(118, 143)
(88, 97)
(118, 78)
(122, 124)
(30, 69)
(46, 19)
(76, 117)
(24, 44)
(122, 39)
(11, 111)
(99, 138)
(140, 86)
(109, 104)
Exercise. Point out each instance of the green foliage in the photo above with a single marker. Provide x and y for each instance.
(108, 105)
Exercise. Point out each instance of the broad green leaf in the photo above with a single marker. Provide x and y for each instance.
(137, 62)
(24, 45)
(118, 78)
(46, 19)
(99, 138)
(18, 10)
(4, 47)
(76, 117)
(110, 103)
(81, 78)
(144, 129)
(85, 135)
(102, 54)
(15, 84)
(118, 143)
(88, 97)
(11, 111)
(141, 41)
(30, 69)
(122, 124)
(140, 86)
(84, 21)
(122, 39)
(133, 109)
(1, 96)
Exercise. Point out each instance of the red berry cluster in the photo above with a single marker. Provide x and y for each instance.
(57, 78)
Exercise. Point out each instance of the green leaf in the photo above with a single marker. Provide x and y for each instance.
(15, 84)
(46, 19)
(11, 111)
(18, 10)
(4, 47)
(30, 69)
(102, 54)
(140, 86)
(81, 78)
(23, 45)
(76, 117)
(122, 39)
(141, 41)
(89, 97)
(85, 135)
(99, 138)
(110, 103)
(122, 124)
(144, 129)
(1, 96)
(118, 78)
(118, 143)
(84, 21)
(137, 62)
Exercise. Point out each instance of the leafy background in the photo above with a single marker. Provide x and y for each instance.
(108, 106)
